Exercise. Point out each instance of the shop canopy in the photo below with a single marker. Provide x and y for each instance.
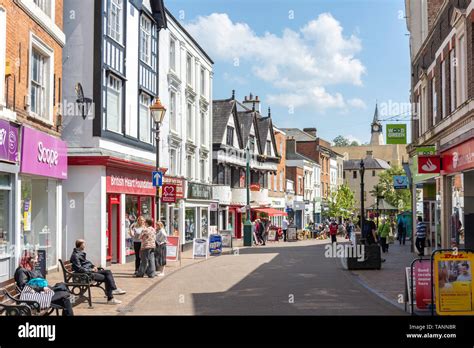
(270, 211)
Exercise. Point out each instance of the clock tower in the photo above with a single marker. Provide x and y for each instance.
(376, 129)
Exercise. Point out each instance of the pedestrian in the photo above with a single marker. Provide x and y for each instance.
(147, 259)
(160, 249)
(420, 236)
(384, 231)
(402, 231)
(135, 230)
(333, 228)
(370, 231)
(80, 264)
(284, 227)
(26, 271)
(261, 232)
(349, 228)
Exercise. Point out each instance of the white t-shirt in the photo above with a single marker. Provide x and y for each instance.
(284, 224)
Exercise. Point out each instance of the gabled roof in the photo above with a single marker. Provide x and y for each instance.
(263, 124)
(298, 134)
(369, 163)
(245, 121)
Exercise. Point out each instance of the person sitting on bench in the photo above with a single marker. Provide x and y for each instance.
(26, 271)
(80, 264)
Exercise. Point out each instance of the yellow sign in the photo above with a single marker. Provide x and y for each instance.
(8, 68)
(453, 282)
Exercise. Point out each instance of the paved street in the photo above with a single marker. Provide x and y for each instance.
(279, 279)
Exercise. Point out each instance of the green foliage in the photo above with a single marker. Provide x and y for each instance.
(341, 202)
(343, 141)
(398, 198)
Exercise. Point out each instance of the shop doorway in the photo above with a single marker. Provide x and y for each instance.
(299, 219)
(113, 229)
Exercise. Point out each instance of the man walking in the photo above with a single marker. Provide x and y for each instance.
(402, 231)
(384, 231)
(284, 227)
(333, 228)
(420, 236)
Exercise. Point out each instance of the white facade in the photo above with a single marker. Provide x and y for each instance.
(333, 175)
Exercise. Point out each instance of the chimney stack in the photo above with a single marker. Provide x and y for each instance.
(370, 154)
(250, 100)
(311, 131)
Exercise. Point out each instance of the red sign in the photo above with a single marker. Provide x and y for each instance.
(172, 248)
(422, 280)
(255, 187)
(429, 164)
(120, 181)
(459, 158)
(168, 194)
(178, 182)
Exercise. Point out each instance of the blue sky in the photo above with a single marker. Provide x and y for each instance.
(316, 63)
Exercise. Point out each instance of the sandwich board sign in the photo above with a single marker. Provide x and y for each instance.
(200, 248)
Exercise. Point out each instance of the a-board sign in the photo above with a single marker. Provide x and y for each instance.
(172, 248)
(200, 248)
(226, 239)
(215, 244)
(291, 233)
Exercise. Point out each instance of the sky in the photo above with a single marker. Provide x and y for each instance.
(316, 63)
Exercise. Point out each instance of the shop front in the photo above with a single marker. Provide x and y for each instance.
(458, 200)
(43, 169)
(172, 212)
(299, 214)
(9, 168)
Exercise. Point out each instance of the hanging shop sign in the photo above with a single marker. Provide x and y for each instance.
(396, 134)
(429, 164)
(8, 141)
(178, 182)
(215, 244)
(168, 193)
(42, 154)
(459, 158)
(199, 191)
(213, 206)
(200, 248)
(452, 275)
(172, 248)
(127, 181)
(400, 182)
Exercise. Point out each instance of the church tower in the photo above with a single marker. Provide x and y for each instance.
(376, 129)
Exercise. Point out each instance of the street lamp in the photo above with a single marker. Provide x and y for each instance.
(157, 111)
(247, 223)
(362, 213)
(378, 196)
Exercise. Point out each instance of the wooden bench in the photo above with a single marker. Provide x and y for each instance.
(11, 305)
(79, 284)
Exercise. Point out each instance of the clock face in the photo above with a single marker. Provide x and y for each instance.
(376, 128)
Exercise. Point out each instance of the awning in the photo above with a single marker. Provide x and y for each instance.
(270, 211)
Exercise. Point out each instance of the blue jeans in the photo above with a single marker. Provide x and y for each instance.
(147, 263)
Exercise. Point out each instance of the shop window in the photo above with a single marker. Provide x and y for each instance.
(189, 224)
(5, 214)
(39, 217)
(204, 223)
(175, 222)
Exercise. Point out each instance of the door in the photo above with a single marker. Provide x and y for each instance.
(299, 219)
(113, 229)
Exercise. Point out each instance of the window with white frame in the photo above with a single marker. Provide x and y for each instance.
(252, 143)
(203, 128)
(452, 80)
(462, 72)
(281, 181)
(173, 114)
(173, 160)
(114, 104)
(443, 89)
(189, 166)
(189, 121)
(203, 82)
(275, 182)
(202, 166)
(3, 34)
(41, 89)
(189, 71)
(44, 5)
(115, 20)
(145, 118)
(269, 148)
(172, 54)
(145, 39)
(434, 100)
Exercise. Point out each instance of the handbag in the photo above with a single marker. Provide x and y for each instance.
(42, 297)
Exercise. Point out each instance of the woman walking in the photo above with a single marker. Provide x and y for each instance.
(148, 241)
(135, 230)
(160, 249)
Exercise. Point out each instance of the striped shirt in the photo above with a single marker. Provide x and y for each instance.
(421, 230)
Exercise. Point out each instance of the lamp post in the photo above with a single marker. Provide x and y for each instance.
(362, 213)
(157, 111)
(379, 196)
(247, 223)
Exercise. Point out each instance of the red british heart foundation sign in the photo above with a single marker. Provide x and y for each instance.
(429, 164)
(168, 193)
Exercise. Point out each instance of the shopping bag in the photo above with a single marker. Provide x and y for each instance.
(42, 297)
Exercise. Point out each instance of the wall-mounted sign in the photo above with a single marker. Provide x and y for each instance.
(400, 182)
(396, 133)
(459, 158)
(168, 193)
(123, 181)
(42, 154)
(8, 141)
(429, 164)
(426, 150)
(255, 187)
(179, 185)
(213, 206)
(199, 191)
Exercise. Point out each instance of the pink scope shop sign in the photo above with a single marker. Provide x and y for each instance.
(42, 154)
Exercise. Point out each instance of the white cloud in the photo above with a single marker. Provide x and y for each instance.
(357, 103)
(300, 64)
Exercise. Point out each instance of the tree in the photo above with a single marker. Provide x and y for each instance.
(341, 202)
(341, 141)
(354, 143)
(398, 198)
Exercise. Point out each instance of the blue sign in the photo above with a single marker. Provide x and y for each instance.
(400, 182)
(157, 178)
(215, 244)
